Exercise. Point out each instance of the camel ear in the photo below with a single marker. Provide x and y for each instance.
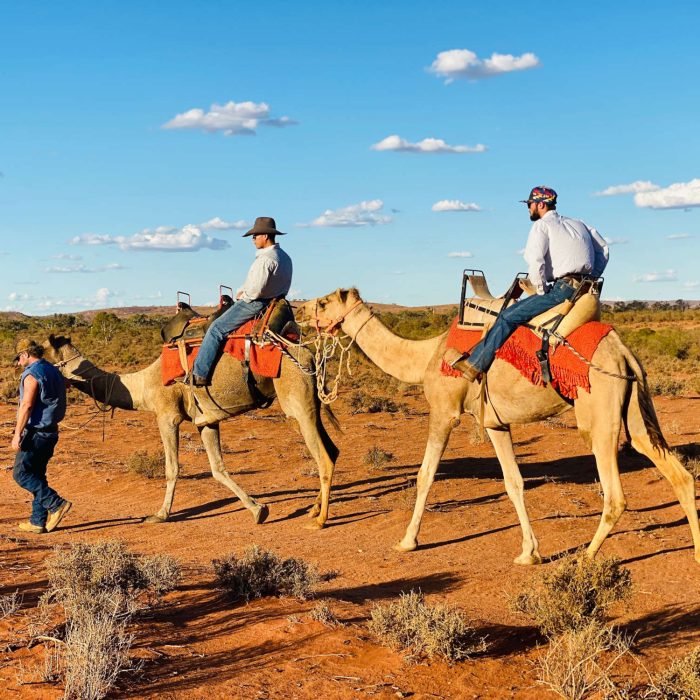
(343, 295)
(58, 341)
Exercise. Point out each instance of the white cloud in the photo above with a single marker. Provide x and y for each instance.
(616, 241)
(167, 239)
(103, 295)
(455, 205)
(219, 224)
(83, 268)
(464, 64)
(366, 213)
(680, 195)
(17, 296)
(678, 236)
(632, 188)
(429, 145)
(460, 254)
(231, 118)
(66, 256)
(665, 276)
(691, 284)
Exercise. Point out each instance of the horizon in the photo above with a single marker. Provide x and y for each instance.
(392, 143)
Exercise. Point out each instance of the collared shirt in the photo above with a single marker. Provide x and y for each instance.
(269, 276)
(558, 246)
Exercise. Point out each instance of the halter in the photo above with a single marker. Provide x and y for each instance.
(333, 327)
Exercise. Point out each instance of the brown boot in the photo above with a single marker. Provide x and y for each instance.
(56, 517)
(458, 361)
(28, 526)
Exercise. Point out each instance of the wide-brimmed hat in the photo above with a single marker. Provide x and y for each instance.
(266, 225)
(24, 345)
(541, 194)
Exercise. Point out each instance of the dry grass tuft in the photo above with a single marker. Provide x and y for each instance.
(361, 402)
(260, 572)
(579, 661)
(577, 592)
(423, 630)
(681, 681)
(147, 464)
(321, 612)
(9, 604)
(377, 458)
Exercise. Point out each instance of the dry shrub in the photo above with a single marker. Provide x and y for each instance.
(9, 604)
(577, 592)
(321, 612)
(681, 681)
(579, 661)
(260, 572)
(147, 464)
(361, 402)
(376, 458)
(423, 630)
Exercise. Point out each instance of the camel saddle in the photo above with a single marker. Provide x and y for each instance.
(481, 311)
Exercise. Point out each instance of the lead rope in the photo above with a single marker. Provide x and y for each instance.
(562, 339)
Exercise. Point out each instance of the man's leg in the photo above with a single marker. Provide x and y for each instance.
(231, 319)
(483, 354)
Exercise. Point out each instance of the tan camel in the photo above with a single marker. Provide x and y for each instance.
(510, 399)
(228, 396)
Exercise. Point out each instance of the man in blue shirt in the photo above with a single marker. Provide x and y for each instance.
(559, 252)
(42, 406)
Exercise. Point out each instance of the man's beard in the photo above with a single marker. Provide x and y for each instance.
(535, 216)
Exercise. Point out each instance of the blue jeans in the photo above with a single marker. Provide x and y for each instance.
(36, 449)
(232, 318)
(483, 354)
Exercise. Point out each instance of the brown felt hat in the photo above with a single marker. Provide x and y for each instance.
(264, 224)
(24, 345)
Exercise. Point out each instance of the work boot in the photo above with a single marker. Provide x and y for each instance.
(192, 380)
(458, 361)
(28, 526)
(56, 517)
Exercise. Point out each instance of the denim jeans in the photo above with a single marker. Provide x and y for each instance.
(231, 319)
(483, 354)
(29, 472)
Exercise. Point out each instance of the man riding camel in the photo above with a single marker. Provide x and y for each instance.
(559, 253)
(269, 277)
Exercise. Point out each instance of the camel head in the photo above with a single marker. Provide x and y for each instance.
(327, 313)
(59, 350)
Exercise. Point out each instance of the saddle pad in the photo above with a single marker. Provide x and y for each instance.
(265, 360)
(569, 373)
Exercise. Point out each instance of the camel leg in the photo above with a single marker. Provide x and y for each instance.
(297, 396)
(599, 417)
(439, 428)
(169, 428)
(503, 445)
(212, 444)
(667, 463)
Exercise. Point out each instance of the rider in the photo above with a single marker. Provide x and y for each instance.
(559, 253)
(269, 277)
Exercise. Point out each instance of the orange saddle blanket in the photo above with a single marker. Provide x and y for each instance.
(569, 373)
(265, 360)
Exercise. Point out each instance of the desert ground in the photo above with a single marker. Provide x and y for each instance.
(199, 644)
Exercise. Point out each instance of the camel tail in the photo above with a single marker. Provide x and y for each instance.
(640, 405)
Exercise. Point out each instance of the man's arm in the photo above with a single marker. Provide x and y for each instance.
(535, 251)
(601, 252)
(31, 391)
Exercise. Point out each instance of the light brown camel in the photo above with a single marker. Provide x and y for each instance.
(228, 396)
(511, 399)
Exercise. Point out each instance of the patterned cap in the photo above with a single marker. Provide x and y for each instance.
(541, 194)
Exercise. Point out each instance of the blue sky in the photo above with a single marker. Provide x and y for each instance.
(356, 127)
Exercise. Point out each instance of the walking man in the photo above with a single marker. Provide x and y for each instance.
(559, 253)
(42, 405)
(269, 277)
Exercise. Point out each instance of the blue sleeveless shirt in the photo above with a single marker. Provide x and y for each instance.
(50, 405)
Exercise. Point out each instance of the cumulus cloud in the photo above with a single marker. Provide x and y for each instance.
(232, 118)
(460, 254)
(616, 241)
(680, 195)
(17, 296)
(366, 213)
(463, 64)
(678, 236)
(66, 256)
(166, 239)
(64, 269)
(455, 205)
(691, 284)
(665, 276)
(429, 145)
(219, 224)
(632, 188)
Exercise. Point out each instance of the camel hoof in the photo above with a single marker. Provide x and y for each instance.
(528, 559)
(314, 511)
(314, 525)
(260, 515)
(404, 547)
(154, 519)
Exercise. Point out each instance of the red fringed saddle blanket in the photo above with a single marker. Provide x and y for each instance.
(568, 371)
(265, 360)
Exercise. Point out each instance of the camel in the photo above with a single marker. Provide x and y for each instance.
(227, 396)
(511, 399)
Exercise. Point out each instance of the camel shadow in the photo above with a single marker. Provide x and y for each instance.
(441, 582)
(101, 524)
(673, 625)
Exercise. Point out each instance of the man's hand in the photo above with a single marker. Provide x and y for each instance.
(15, 442)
